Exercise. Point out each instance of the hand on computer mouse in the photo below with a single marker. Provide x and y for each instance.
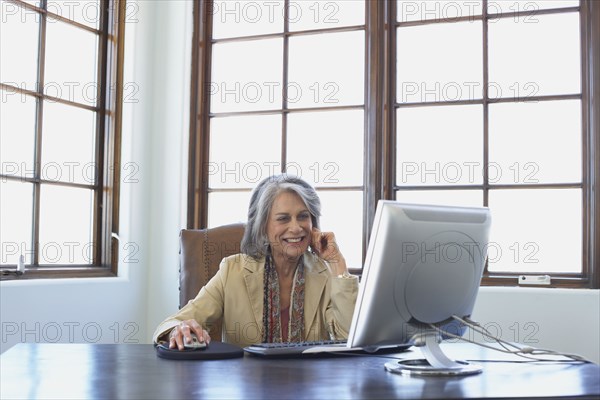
(181, 335)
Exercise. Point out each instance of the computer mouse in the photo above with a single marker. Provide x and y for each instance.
(195, 344)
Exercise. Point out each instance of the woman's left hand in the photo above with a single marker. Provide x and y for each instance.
(326, 247)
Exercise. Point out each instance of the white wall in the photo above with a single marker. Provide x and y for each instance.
(168, 122)
(128, 308)
(566, 320)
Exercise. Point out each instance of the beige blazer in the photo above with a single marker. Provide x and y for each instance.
(236, 293)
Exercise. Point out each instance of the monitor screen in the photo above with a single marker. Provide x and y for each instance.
(423, 266)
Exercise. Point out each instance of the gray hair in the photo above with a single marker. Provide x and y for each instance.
(255, 240)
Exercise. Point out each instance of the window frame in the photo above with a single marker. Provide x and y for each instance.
(105, 219)
(380, 127)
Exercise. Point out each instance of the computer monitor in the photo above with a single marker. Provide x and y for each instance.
(423, 266)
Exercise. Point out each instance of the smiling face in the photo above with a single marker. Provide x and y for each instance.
(289, 227)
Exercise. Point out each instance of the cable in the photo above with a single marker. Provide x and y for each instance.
(524, 351)
(528, 349)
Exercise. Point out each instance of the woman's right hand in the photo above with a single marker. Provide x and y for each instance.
(183, 332)
(325, 245)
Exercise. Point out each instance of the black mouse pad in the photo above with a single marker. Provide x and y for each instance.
(214, 351)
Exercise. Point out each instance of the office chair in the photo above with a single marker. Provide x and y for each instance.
(201, 252)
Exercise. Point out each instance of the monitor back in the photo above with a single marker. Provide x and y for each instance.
(424, 264)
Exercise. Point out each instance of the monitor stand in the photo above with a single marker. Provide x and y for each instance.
(435, 362)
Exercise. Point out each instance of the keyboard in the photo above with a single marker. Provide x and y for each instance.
(298, 348)
(318, 347)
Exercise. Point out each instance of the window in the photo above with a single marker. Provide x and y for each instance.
(482, 103)
(60, 91)
(296, 106)
(500, 125)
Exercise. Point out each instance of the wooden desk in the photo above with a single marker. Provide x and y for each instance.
(133, 371)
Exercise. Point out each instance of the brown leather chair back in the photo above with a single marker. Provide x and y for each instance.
(201, 252)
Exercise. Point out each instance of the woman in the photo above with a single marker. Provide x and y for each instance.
(290, 283)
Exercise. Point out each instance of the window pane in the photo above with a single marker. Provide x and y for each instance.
(326, 70)
(469, 198)
(17, 134)
(535, 231)
(324, 14)
(439, 145)
(244, 150)
(70, 63)
(246, 18)
(445, 10)
(86, 12)
(439, 62)
(68, 148)
(15, 212)
(226, 208)
(529, 6)
(256, 86)
(528, 54)
(19, 31)
(527, 139)
(66, 225)
(342, 214)
(327, 148)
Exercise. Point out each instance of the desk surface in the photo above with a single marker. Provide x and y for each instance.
(134, 371)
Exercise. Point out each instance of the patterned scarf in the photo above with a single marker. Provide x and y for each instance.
(271, 308)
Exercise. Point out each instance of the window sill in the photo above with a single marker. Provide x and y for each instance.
(567, 282)
(61, 273)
